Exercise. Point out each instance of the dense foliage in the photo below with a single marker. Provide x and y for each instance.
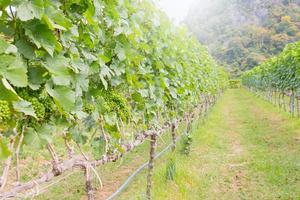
(281, 73)
(243, 33)
(87, 66)
(235, 83)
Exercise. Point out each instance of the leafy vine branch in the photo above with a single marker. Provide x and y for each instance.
(83, 74)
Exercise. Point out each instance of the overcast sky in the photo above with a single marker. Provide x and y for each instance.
(176, 9)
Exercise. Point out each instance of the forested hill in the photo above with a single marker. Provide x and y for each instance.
(243, 33)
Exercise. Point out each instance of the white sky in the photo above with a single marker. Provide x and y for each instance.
(176, 9)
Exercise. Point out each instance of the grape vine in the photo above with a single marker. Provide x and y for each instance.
(95, 69)
(278, 77)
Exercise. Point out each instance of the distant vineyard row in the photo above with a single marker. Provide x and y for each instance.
(278, 78)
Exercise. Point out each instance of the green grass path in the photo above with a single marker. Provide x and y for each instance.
(245, 149)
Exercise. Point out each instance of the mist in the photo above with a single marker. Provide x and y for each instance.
(177, 10)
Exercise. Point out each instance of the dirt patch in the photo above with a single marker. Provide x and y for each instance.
(237, 182)
(296, 139)
(111, 185)
(235, 170)
(232, 170)
(236, 148)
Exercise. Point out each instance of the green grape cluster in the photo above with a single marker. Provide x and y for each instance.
(48, 106)
(27, 93)
(39, 110)
(38, 107)
(32, 122)
(88, 107)
(5, 112)
(42, 104)
(117, 103)
(23, 94)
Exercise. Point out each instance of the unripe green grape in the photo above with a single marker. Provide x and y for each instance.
(116, 103)
(88, 108)
(39, 108)
(47, 102)
(48, 105)
(33, 123)
(27, 93)
(5, 112)
(23, 94)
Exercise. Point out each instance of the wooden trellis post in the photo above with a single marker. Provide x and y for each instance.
(298, 105)
(292, 103)
(153, 145)
(173, 132)
(88, 182)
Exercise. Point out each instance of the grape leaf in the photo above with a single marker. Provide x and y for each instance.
(36, 139)
(24, 107)
(4, 3)
(56, 19)
(105, 72)
(59, 68)
(3, 46)
(34, 75)
(13, 69)
(7, 48)
(25, 49)
(7, 92)
(64, 96)
(42, 36)
(28, 10)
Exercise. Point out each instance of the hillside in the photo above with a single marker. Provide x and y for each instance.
(242, 33)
